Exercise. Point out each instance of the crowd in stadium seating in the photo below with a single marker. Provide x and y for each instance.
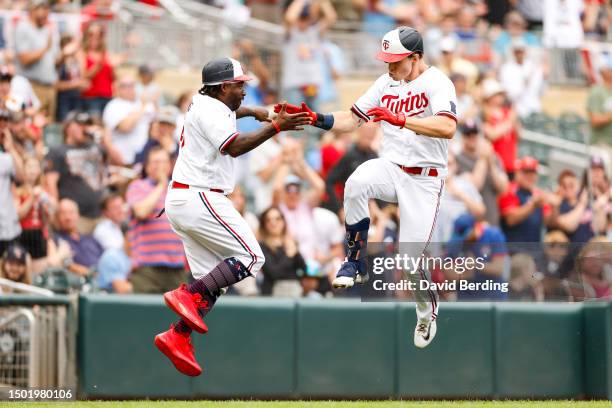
(87, 152)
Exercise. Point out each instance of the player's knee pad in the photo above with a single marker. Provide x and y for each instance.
(357, 239)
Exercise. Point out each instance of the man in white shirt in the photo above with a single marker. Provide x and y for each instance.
(522, 79)
(128, 119)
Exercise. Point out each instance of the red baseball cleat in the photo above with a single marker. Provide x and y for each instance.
(186, 305)
(178, 348)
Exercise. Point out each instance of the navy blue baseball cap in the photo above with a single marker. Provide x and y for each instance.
(223, 70)
(463, 226)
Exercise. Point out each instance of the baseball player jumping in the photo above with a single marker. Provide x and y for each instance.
(416, 105)
(220, 247)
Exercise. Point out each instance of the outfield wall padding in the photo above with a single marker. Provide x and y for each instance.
(282, 349)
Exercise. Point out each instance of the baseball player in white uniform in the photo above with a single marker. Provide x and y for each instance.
(220, 247)
(416, 105)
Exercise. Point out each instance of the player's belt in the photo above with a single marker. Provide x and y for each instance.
(421, 171)
(176, 184)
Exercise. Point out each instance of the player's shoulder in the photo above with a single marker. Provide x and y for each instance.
(437, 78)
(383, 81)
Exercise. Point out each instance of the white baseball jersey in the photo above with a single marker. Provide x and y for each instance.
(210, 126)
(207, 222)
(431, 93)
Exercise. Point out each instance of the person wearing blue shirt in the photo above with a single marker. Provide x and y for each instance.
(484, 245)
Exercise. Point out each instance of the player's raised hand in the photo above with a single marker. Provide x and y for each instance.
(380, 113)
(291, 121)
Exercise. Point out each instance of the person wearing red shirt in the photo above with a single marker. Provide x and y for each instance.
(98, 69)
(525, 209)
(501, 124)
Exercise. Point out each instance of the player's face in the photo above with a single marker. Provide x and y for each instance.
(235, 94)
(402, 69)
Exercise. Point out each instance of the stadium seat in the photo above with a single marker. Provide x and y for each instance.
(573, 127)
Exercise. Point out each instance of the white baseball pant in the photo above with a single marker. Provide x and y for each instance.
(418, 199)
(211, 230)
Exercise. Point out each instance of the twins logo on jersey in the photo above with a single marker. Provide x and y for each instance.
(411, 105)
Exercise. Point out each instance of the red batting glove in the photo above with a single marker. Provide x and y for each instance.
(289, 109)
(379, 113)
(313, 116)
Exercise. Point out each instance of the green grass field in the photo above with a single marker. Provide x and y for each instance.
(313, 404)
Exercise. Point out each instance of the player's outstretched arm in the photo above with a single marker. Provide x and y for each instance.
(341, 121)
(437, 126)
(246, 142)
(257, 112)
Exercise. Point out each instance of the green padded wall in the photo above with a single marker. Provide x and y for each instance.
(458, 362)
(346, 349)
(598, 349)
(538, 350)
(249, 349)
(269, 348)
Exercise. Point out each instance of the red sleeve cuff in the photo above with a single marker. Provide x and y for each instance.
(227, 142)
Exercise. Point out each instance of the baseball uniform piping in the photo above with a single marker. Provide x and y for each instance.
(227, 141)
(229, 229)
(359, 113)
(447, 114)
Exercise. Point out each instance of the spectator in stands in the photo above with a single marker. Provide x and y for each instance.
(113, 272)
(15, 265)
(478, 158)
(183, 102)
(515, 27)
(315, 229)
(473, 46)
(552, 261)
(11, 168)
(525, 285)
(17, 90)
(70, 78)
(109, 232)
(147, 87)
(98, 69)
(599, 107)
(34, 208)
(27, 138)
(114, 264)
(302, 75)
(239, 200)
(361, 151)
(75, 170)
(460, 196)
(562, 24)
(85, 249)
(161, 133)
(156, 251)
(284, 263)
(452, 63)
(575, 213)
(467, 108)
(37, 53)
(590, 266)
(100, 10)
(500, 124)
(600, 183)
(524, 208)
(522, 79)
(264, 163)
(434, 34)
(128, 119)
(476, 239)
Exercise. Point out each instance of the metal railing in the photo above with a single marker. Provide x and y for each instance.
(37, 346)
